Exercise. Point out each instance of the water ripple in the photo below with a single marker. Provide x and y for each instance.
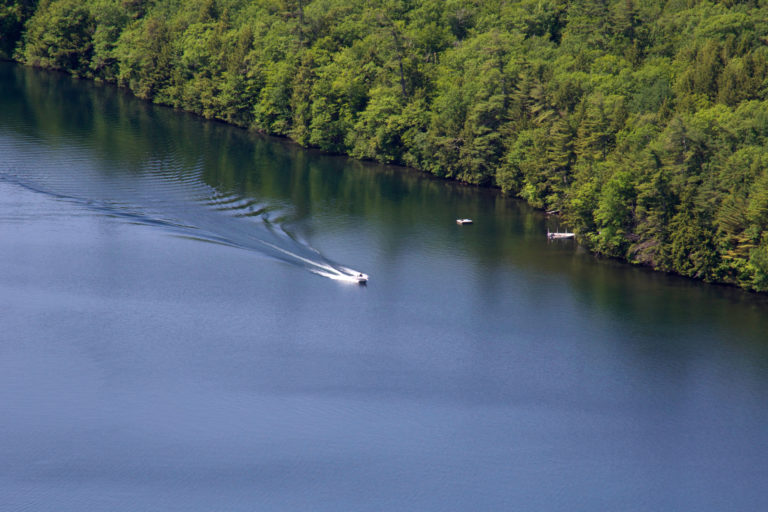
(162, 192)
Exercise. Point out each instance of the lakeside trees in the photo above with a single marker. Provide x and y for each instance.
(645, 123)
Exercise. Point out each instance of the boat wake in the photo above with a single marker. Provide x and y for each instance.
(165, 194)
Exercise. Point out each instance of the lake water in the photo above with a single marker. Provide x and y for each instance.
(177, 334)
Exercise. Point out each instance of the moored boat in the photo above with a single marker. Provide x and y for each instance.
(559, 236)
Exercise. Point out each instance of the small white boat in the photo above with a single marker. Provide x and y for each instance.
(559, 236)
(463, 221)
(362, 278)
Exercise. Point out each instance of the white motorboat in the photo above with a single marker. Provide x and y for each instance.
(463, 221)
(560, 236)
(362, 278)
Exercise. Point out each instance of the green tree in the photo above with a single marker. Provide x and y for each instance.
(60, 36)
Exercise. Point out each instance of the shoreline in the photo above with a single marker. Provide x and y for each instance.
(287, 139)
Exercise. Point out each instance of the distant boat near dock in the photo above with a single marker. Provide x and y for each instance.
(559, 236)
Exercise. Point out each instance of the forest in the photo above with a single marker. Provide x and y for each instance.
(644, 124)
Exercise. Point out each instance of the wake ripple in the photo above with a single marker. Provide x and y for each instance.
(161, 192)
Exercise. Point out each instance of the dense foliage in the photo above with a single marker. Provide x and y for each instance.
(644, 123)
